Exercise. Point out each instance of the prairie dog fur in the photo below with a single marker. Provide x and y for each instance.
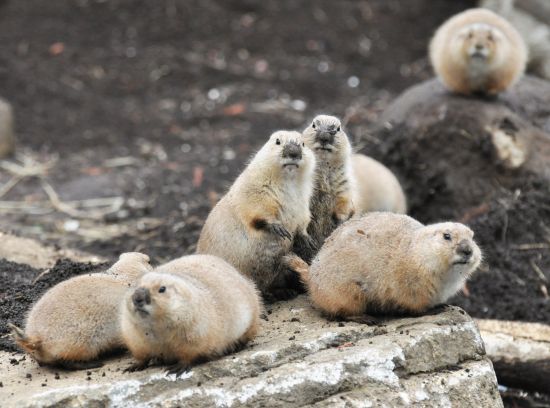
(191, 308)
(377, 187)
(333, 198)
(385, 262)
(253, 225)
(76, 320)
(477, 51)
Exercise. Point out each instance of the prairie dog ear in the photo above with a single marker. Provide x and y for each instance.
(22, 340)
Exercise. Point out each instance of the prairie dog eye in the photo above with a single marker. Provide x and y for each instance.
(278, 141)
(447, 236)
(303, 144)
(338, 129)
(162, 289)
(313, 125)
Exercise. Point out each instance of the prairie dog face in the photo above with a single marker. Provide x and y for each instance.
(287, 150)
(160, 297)
(450, 253)
(479, 42)
(326, 137)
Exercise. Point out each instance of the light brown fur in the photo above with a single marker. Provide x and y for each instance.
(333, 199)
(252, 226)
(76, 320)
(385, 262)
(205, 310)
(377, 187)
(496, 65)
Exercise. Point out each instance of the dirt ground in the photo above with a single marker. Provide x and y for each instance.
(155, 107)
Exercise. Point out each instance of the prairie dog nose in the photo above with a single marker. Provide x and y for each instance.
(141, 297)
(292, 150)
(326, 136)
(464, 248)
(479, 47)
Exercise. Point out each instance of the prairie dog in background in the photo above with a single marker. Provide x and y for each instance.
(477, 51)
(377, 187)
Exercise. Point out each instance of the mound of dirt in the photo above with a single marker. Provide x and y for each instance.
(484, 162)
(23, 285)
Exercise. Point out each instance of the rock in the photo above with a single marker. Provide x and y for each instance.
(7, 138)
(519, 351)
(435, 360)
(463, 149)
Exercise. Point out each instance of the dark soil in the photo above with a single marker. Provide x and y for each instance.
(514, 398)
(20, 288)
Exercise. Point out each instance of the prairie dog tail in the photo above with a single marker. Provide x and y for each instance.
(298, 265)
(27, 344)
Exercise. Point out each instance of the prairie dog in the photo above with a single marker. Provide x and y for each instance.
(477, 51)
(332, 201)
(377, 187)
(253, 225)
(385, 262)
(76, 320)
(195, 307)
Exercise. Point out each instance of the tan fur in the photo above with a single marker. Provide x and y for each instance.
(207, 309)
(333, 200)
(504, 53)
(76, 320)
(377, 187)
(385, 262)
(267, 197)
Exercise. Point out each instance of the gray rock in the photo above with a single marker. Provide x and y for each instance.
(431, 361)
(7, 138)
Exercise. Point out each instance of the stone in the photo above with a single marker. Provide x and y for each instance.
(431, 361)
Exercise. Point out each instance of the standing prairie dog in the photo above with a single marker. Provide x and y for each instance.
(195, 307)
(76, 320)
(377, 187)
(253, 225)
(332, 201)
(385, 262)
(477, 51)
